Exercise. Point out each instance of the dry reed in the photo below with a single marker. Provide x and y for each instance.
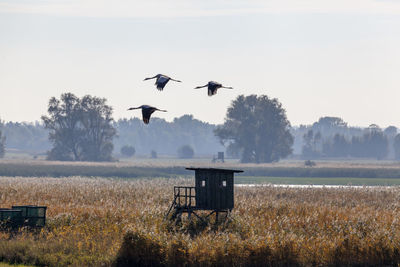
(113, 221)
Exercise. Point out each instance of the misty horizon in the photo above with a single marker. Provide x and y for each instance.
(138, 116)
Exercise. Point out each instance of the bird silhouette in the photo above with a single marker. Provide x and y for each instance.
(147, 111)
(213, 87)
(161, 80)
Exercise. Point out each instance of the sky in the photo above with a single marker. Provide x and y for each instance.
(317, 57)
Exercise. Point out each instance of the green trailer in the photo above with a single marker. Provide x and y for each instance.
(19, 216)
(11, 218)
(34, 216)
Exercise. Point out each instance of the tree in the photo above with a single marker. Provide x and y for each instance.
(307, 149)
(233, 151)
(390, 131)
(338, 146)
(2, 142)
(80, 129)
(258, 127)
(329, 126)
(312, 144)
(185, 152)
(128, 151)
(396, 147)
(357, 148)
(330, 122)
(375, 142)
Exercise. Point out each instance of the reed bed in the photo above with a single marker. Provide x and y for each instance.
(105, 222)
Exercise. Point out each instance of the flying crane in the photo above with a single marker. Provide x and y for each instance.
(213, 87)
(147, 111)
(161, 80)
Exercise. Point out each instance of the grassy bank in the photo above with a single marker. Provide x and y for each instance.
(66, 169)
(170, 169)
(317, 181)
(105, 222)
(327, 172)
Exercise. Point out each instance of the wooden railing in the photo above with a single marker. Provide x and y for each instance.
(185, 196)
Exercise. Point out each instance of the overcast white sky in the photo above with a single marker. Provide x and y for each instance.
(318, 57)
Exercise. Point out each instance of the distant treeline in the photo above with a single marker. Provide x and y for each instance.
(160, 136)
(329, 137)
(167, 137)
(29, 137)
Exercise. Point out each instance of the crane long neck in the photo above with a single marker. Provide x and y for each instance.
(150, 78)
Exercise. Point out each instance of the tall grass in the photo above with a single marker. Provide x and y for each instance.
(120, 222)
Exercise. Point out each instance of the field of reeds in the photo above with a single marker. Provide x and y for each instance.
(105, 222)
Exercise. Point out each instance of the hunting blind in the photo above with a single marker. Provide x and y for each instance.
(213, 191)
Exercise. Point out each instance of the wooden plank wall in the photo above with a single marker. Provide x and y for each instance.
(214, 195)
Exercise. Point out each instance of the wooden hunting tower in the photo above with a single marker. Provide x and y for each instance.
(213, 191)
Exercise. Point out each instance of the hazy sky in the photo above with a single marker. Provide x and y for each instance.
(318, 57)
